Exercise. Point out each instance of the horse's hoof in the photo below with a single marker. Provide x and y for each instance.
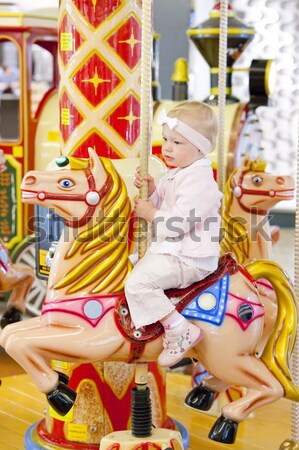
(12, 315)
(63, 377)
(62, 398)
(200, 398)
(224, 430)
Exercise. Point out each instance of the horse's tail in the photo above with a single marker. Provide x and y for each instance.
(279, 347)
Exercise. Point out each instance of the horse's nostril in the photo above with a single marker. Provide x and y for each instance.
(30, 180)
(280, 180)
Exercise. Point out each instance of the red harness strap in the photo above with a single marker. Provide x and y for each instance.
(180, 297)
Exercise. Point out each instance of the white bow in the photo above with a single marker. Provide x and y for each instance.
(164, 119)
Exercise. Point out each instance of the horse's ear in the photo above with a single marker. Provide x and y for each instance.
(245, 162)
(96, 165)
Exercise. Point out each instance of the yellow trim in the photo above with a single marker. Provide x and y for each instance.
(269, 64)
(217, 14)
(77, 431)
(21, 19)
(37, 16)
(214, 165)
(215, 91)
(19, 16)
(241, 69)
(216, 70)
(53, 136)
(155, 83)
(18, 151)
(25, 136)
(26, 119)
(206, 31)
(29, 16)
(19, 235)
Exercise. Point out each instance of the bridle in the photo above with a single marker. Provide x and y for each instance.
(238, 192)
(92, 198)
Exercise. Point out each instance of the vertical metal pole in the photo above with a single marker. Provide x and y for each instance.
(222, 94)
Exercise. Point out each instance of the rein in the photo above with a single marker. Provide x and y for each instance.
(92, 198)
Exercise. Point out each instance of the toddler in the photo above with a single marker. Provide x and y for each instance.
(183, 209)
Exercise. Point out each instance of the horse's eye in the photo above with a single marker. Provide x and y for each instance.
(257, 179)
(66, 183)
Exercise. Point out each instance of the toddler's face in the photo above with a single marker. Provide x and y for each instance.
(176, 150)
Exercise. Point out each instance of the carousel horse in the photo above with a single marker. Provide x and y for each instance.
(250, 193)
(85, 317)
(15, 278)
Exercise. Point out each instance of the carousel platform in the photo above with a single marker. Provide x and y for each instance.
(22, 405)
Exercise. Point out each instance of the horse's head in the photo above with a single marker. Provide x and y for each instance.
(2, 161)
(256, 190)
(73, 190)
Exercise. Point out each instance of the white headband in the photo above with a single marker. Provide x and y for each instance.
(193, 136)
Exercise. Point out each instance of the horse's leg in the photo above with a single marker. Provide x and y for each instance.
(34, 348)
(18, 328)
(202, 396)
(22, 278)
(262, 388)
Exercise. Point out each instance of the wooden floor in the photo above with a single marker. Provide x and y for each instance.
(22, 405)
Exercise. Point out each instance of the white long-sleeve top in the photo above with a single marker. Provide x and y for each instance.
(187, 222)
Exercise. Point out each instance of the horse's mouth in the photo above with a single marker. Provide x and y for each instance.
(285, 194)
(27, 195)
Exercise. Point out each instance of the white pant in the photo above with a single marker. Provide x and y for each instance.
(150, 277)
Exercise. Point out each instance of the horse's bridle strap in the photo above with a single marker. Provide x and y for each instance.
(76, 223)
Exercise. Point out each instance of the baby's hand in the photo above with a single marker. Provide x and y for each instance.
(138, 181)
(144, 209)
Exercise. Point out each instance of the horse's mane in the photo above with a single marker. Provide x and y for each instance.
(104, 263)
(235, 237)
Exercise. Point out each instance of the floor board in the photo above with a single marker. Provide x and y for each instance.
(22, 405)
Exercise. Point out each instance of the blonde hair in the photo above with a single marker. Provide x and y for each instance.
(199, 116)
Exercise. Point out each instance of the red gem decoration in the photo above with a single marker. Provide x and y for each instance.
(125, 120)
(70, 117)
(68, 46)
(95, 80)
(126, 42)
(97, 11)
(99, 144)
